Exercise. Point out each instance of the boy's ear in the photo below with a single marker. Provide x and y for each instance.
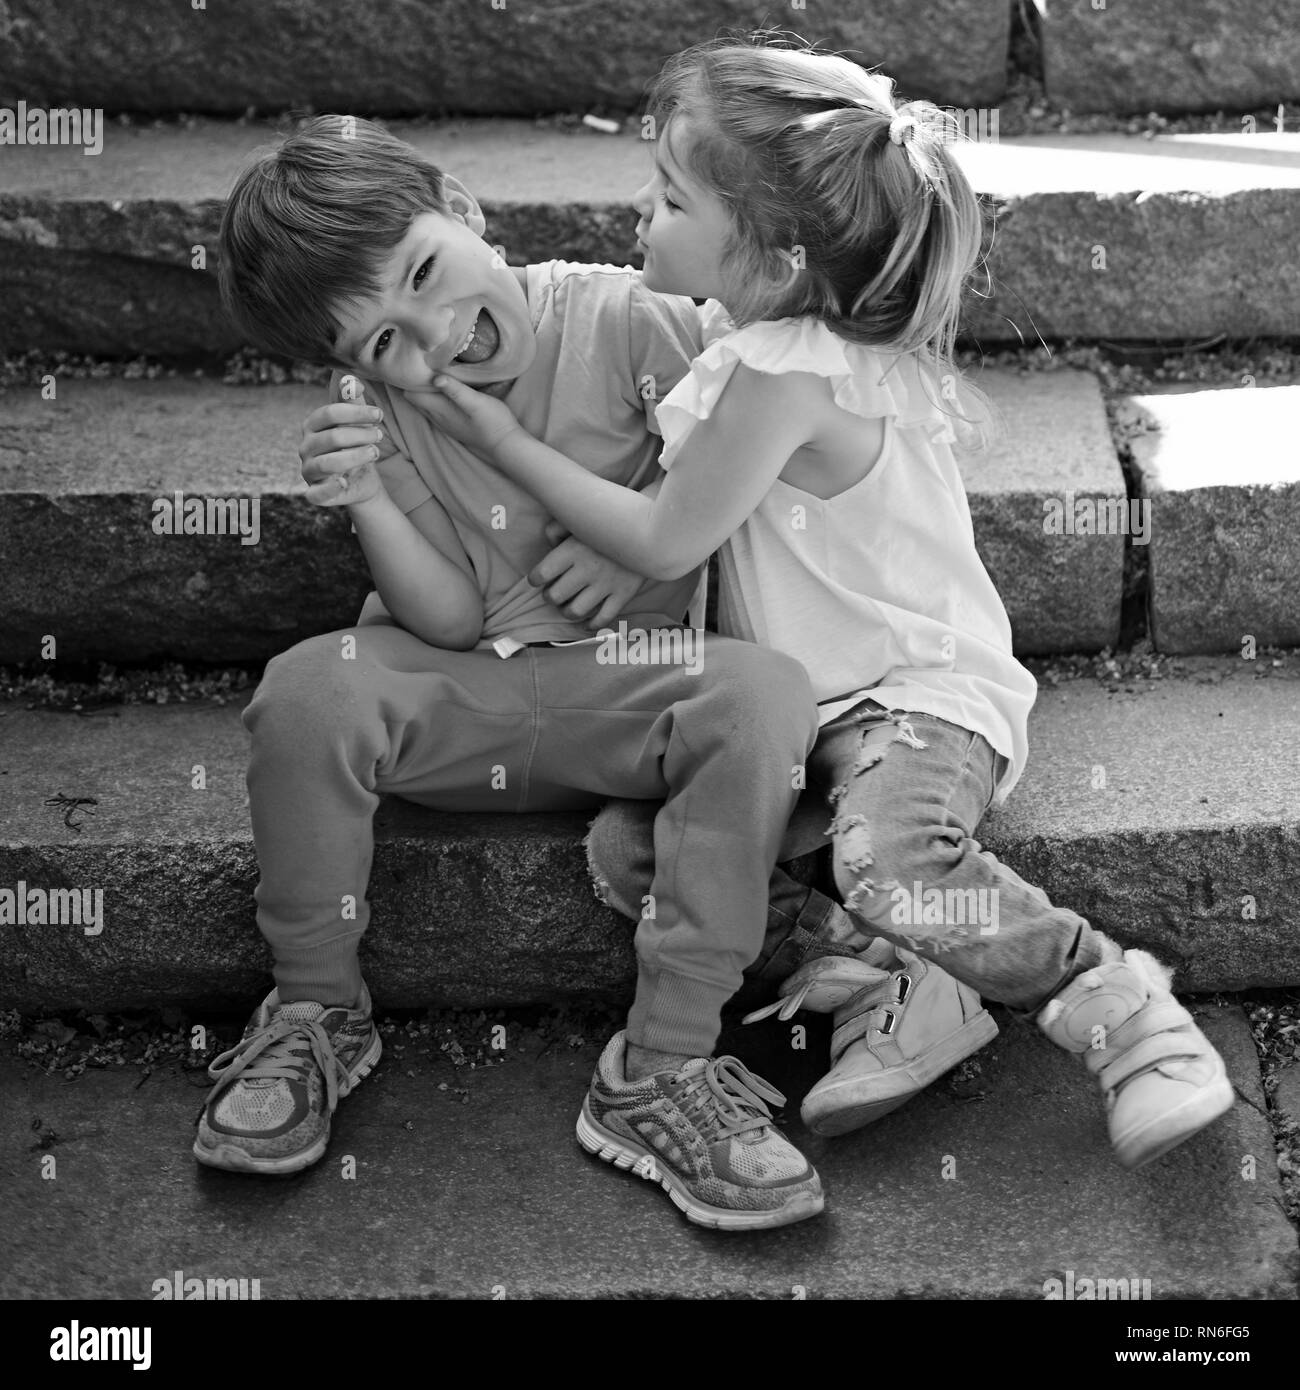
(461, 200)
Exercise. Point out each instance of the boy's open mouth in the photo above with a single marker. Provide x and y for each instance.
(483, 340)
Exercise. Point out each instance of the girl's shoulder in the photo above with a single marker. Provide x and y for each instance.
(864, 380)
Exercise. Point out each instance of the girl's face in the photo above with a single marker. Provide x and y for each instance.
(683, 227)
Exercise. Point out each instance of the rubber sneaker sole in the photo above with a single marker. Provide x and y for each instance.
(1138, 1146)
(233, 1159)
(625, 1155)
(839, 1105)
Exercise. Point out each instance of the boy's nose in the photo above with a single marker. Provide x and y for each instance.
(433, 336)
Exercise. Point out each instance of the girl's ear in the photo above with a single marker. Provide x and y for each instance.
(462, 203)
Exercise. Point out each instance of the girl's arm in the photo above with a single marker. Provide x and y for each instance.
(726, 468)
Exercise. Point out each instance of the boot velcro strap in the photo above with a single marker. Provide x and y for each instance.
(1114, 1068)
(820, 985)
(858, 1016)
(1162, 1017)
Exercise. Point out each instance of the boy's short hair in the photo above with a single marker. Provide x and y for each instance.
(310, 223)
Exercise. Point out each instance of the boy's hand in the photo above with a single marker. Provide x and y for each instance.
(479, 421)
(582, 583)
(338, 449)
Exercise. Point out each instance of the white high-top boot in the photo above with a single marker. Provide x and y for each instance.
(896, 1031)
(1161, 1078)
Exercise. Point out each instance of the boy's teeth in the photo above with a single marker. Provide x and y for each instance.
(482, 343)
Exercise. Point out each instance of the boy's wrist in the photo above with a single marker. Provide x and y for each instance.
(369, 506)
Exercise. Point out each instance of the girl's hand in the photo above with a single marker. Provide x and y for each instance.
(479, 421)
(583, 584)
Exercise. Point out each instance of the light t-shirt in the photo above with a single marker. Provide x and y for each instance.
(878, 591)
(607, 350)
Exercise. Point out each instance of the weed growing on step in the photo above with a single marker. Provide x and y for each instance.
(245, 368)
(27, 368)
(1122, 368)
(1127, 669)
(73, 1043)
(455, 1043)
(1138, 666)
(1275, 1022)
(172, 684)
(249, 368)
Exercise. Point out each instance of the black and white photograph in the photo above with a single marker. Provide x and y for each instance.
(650, 651)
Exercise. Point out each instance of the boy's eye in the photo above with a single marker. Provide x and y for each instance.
(421, 274)
(668, 203)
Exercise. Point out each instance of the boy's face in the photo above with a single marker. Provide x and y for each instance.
(448, 304)
(684, 227)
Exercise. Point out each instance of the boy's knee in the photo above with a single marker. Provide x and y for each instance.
(752, 665)
(319, 679)
(762, 686)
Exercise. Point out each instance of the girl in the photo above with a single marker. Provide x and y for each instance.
(833, 232)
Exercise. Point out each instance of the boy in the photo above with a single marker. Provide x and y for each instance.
(464, 688)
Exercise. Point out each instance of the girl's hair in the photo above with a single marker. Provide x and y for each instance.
(844, 206)
(309, 226)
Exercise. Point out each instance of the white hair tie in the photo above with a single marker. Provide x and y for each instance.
(901, 127)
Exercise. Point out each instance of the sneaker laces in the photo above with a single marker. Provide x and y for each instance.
(725, 1099)
(276, 1054)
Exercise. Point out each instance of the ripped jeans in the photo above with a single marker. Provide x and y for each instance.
(906, 792)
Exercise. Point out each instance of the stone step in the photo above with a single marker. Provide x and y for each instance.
(1098, 237)
(1169, 816)
(469, 56)
(85, 477)
(1167, 55)
(1222, 471)
(468, 1183)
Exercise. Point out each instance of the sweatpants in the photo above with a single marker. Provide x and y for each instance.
(720, 740)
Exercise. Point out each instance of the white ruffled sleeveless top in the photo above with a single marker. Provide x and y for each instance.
(879, 591)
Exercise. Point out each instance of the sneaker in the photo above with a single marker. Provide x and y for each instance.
(896, 1031)
(1161, 1078)
(706, 1135)
(278, 1086)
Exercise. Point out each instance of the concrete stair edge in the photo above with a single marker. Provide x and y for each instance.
(484, 910)
(1183, 222)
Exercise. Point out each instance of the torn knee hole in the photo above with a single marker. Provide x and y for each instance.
(863, 888)
(877, 740)
(868, 888)
(853, 842)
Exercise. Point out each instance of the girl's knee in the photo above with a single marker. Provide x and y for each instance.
(873, 863)
(620, 854)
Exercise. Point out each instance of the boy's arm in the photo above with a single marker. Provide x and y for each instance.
(411, 556)
(415, 558)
